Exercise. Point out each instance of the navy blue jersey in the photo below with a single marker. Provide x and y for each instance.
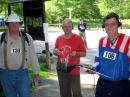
(82, 27)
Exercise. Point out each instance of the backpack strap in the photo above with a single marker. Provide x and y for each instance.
(2, 37)
(5, 50)
(23, 33)
(23, 50)
(25, 37)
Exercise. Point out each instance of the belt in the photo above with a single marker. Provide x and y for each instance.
(109, 81)
(63, 68)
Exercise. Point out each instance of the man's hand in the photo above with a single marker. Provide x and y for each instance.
(91, 70)
(57, 52)
(73, 54)
(38, 80)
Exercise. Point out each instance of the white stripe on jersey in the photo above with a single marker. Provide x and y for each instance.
(128, 51)
(105, 41)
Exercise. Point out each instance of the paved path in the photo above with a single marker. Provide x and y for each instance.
(51, 87)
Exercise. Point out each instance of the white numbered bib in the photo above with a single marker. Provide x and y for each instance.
(15, 50)
(64, 60)
(109, 55)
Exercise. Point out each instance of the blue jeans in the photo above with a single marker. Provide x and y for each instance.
(15, 83)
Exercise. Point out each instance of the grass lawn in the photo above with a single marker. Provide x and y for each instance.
(91, 24)
(44, 73)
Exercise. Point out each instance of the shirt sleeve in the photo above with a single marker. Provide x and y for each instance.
(33, 57)
(96, 63)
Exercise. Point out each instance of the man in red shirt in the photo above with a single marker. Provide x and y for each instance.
(69, 47)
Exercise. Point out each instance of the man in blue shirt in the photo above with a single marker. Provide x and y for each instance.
(82, 27)
(113, 60)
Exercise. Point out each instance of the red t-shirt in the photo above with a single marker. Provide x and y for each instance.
(74, 43)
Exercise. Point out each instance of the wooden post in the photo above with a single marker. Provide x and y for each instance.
(48, 62)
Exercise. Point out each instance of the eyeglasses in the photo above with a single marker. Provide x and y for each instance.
(110, 25)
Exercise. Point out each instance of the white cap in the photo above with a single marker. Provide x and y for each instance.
(13, 18)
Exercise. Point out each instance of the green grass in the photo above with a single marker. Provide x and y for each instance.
(57, 28)
(3, 29)
(44, 73)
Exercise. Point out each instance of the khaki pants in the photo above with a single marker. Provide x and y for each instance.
(82, 34)
(69, 85)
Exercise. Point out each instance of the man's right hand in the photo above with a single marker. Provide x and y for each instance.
(57, 52)
(91, 70)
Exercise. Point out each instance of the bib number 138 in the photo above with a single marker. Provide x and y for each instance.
(109, 55)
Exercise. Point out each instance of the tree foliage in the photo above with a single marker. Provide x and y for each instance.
(56, 10)
(3, 7)
(121, 7)
(79, 8)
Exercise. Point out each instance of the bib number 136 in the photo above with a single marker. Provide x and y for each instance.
(109, 55)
